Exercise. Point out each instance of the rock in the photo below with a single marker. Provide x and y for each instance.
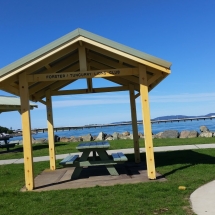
(101, 136)
(131, 136)
(158, 135)
(206, 134)
(116, 136)
(140, 135)
(170, 134)
(39, 140)
(56, 138)
(193, 134)
(94, 137)
(184, 134)
(75, 139)
(126, 133)
(65, 139)
(87, 137)
(203, 128)
(108, 135)
(109, 138)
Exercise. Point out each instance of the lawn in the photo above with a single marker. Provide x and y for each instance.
(190, 168)
(65, 148)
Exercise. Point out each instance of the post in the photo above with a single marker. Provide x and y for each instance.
(147, 122)
(26, 131)
(134, 124)
(50, 130)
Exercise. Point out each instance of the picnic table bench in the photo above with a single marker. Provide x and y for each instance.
(9, 145)
(84, 161)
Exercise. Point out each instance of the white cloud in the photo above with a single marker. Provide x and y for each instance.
(188, 97)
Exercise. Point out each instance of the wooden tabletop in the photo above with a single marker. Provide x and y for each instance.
(94, 145)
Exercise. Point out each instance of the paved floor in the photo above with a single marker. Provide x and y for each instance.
(129, 173)
(202, 199)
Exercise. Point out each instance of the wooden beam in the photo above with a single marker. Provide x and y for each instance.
(153, 79)
(134, 124)
(55, 86)
(44, 85)
(62, 66)
(8, 88)
(45, 59)
(147, 122)
(82, 74)
(118, 52)
(85, 91)
(50, 130)
(42, 101)
(105, 61)
(83, 65)
(111, 55)
(137, 95)
(26, 132)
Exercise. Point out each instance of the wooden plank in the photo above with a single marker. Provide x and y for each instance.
(147, 122)
(82, 74)
(122, 156)
(115, 156)
(26, 132)
(106, 144)
(134, 124)
(50, 130)
(69, 160)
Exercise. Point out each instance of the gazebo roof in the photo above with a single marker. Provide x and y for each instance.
(12, 103)
(62, 56)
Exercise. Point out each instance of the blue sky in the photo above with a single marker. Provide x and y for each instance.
(181, 32)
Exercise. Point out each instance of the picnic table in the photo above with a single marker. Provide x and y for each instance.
(99, 148)
(7, 144)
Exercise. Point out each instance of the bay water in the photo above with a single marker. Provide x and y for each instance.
(179, 126)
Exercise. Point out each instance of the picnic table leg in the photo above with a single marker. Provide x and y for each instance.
(77, 171)
(94, 155)
(104, 156)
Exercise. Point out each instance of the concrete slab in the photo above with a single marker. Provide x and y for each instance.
(4, 162)
(174, 148)
(92, 176)
(204, 146)
(203, 199)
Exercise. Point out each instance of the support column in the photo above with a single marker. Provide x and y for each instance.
(26, 131)
(134, 124)
(147, 122)
(50, 130)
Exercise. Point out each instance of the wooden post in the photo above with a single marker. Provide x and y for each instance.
(50, 130)
(26, 131)
(83, 66)
(134, 124)
(147, 122)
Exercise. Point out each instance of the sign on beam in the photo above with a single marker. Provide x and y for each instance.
(83, 74)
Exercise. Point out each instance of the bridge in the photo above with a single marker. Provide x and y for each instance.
(66, 128)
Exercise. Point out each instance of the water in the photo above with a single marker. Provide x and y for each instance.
(179, 126)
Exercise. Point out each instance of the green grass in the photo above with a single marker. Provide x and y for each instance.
(190, 168)
(65, 148)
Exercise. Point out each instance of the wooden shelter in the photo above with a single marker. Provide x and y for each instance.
(83, 55)
(12, 103)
